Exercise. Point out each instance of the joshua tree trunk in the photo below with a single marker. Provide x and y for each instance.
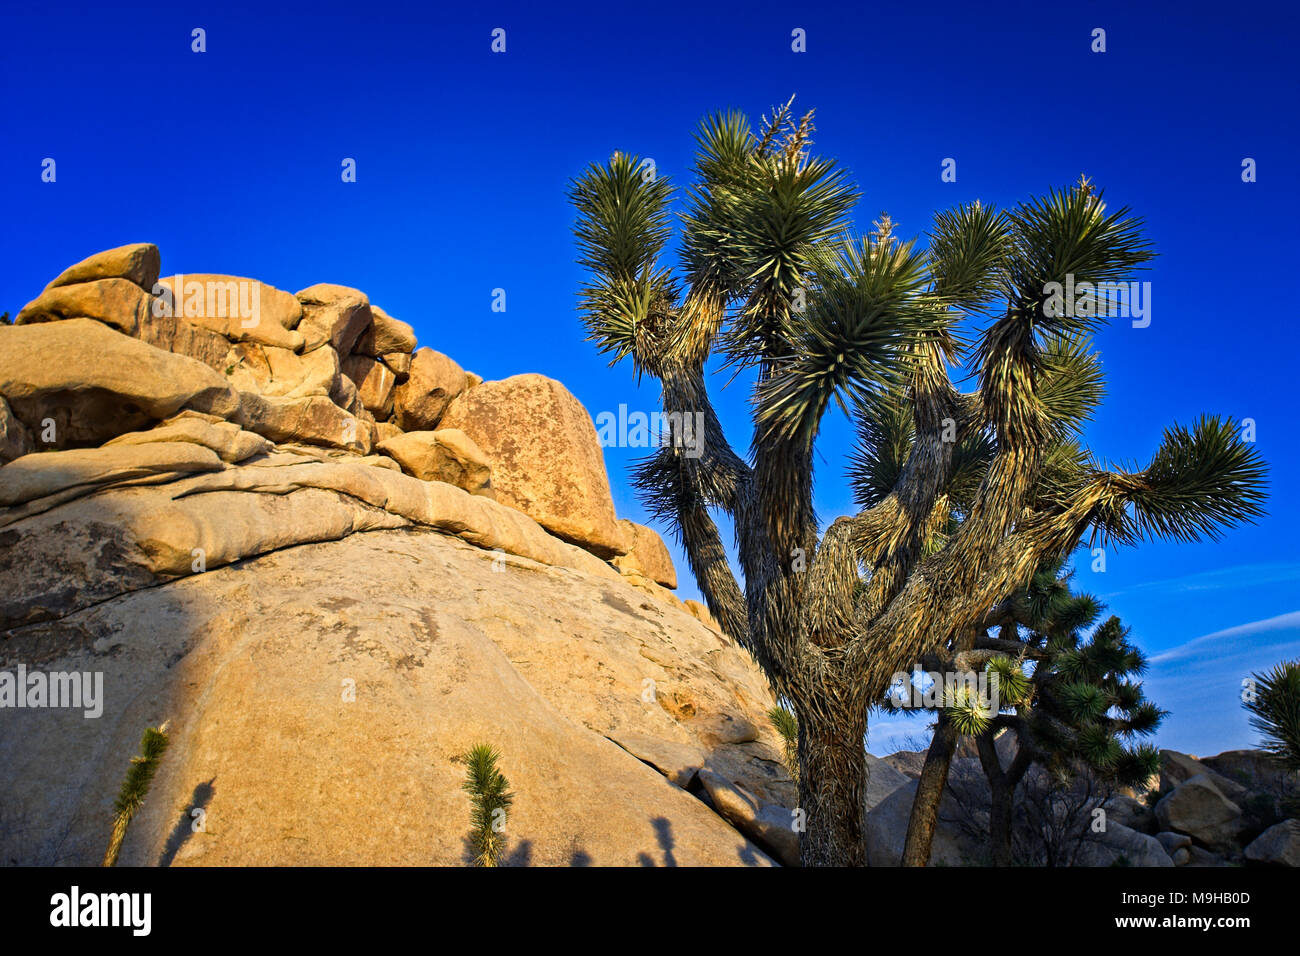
(832, 791)
(120, 824)
(929, 793)
(1002, 792)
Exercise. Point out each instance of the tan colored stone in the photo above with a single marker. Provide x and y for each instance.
(283, 373)
(473, 380)
(118, 303)
(185, 338)
(701, 613)
(385, 335)
(374, 382)
(646, 554)
(138, 262)
(333, 315)
(381, 461)
(433, 381)
(249, 665)
(546, 458)
(386, 430)
(444, 455)
(46, 473)
(399, 363)
(96, 383)
(314, 420)
(346, 395)
(217, 302)
(228, 440)
(679, 762)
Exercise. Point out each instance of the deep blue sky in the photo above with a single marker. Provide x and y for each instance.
(230, 160)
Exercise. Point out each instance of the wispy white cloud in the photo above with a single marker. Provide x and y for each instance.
(1211, 642)
(1238, 576)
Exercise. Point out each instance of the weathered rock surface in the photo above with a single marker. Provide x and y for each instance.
(432, 382)
(1118, 844)
(444, 455)
(189, 505)
(1172, 842)
(185, 338)
(1279, 845)
(374, 381)
(50, 472)
(385, 335)
(890, 794)
(219, 303)
(772, 827)
(118, 303)
(96, 383)
(646, 554)
(546, 458)
(317, 719)
(314, 419)
(1199, 808)
(283, 373)
(15, 438)
(1177, 768)
(138, 262)
(399, 363)
(333, 315)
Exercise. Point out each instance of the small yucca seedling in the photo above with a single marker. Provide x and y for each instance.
(787, 725)
(491, 800)
(135, 787)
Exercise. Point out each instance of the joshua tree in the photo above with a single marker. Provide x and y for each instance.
(135, 787)
(771, 283)
(491, 800)
(1071, 714)
(1275, 712)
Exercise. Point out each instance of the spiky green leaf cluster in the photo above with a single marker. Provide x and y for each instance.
(1275, 711)
(787, 725)
(1200, 479)
(140, 774)
(489, 794)
(1008, 682)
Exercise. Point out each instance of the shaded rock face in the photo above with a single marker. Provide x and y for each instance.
(1119, 844)
(1279, 845)
(1198, 808)
(319, 719)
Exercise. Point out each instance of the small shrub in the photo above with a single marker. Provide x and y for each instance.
(491, 800)
(135, 787)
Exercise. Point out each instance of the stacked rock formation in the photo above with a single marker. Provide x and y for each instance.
(187, 467)
(113, 378)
